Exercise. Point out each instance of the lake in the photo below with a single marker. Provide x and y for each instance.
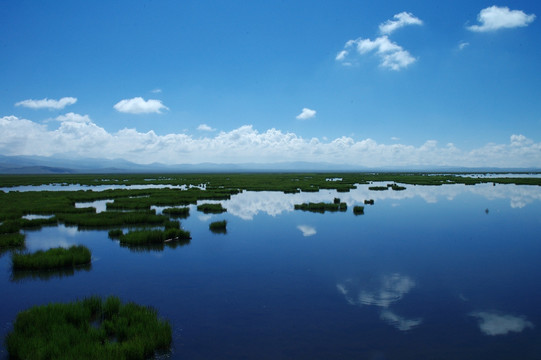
(431, 272)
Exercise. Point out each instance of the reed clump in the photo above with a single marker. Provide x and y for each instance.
(377, 188)
(91, 328)
(11, 240)
(182, 212)
(51, 259)
(321, 207)
(215, 208)
(149, 237)
(218, 226)
(358, 210)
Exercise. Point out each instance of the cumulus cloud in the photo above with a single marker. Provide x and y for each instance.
(307, 230)
(80, 135)
(392, 56)
(47, 103)
(205, 127)
(494, 18)
(138, 105)
(400, 20)
(497, 324)
(306, 114)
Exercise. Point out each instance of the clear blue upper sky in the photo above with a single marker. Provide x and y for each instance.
(363, 82)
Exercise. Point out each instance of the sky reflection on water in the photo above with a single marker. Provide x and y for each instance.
(425, 273)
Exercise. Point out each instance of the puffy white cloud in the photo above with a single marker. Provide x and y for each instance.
(392, 56)
(497, 324)
(47, 103)
(306, 114)
(307, 230)
(400, 20)
(205, 127)
(80, 135)
(138, 105)
(493, 18)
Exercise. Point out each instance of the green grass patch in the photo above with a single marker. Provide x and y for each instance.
(321, 207)
(377, 188)
(182, 212)
(218, 226)
(92, 328)
(52, 258)
(216, 208)
(149, 237)
(358, 210)
(11, 240)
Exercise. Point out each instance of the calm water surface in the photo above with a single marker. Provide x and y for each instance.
(442, 272)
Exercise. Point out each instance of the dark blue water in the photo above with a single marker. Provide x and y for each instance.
(447, 272)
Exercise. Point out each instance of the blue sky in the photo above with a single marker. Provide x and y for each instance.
(367, 83)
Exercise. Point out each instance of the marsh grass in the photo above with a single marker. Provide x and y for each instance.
(51, 259)
(378, 188)
(150, 237)
(181, 213)
(219, 227)
(358, 210)
(321, 207)
(92, 328)
(215, 208)
(11, 240)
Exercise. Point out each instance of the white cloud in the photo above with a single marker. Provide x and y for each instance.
(205, 127)
(392, 289)
(138, 105)
(462, 45)
(307, 230)
(392, 56)
(497, 324)
(156, 91)
(493, 18)
(401, 20)
(80, 135)
(74, 118)
(306, 114)
(47, 103)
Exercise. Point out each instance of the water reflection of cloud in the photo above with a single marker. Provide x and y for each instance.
(497, 324)
(307, 230)
(248, 204)
(398, 321)
(391, 289)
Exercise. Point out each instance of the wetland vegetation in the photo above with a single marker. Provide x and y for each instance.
(321, 207)
(51, 259)
(218, 226)
(92, 328)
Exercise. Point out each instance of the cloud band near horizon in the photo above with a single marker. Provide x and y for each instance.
(78, 135)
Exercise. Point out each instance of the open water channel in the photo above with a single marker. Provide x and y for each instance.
(431, 272)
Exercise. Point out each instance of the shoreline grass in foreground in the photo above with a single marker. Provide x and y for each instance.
(92, 328)
(52, 259)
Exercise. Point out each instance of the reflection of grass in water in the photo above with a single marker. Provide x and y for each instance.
(322, 207)
(21, 275)
(52, 258)
(218, 227)
(88, 329)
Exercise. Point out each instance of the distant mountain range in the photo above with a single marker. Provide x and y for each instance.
(57, 165)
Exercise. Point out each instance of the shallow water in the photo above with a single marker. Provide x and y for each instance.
(446, 272)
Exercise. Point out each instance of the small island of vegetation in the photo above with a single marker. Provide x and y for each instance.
(88, 329)
(211, 208)
(51, 259)
(321, 207)
(358, 210)
(218, 226)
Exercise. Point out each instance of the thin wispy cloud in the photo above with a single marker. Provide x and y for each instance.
(306, 114)
(462, 45)
(138, 105)
(156, 91)
(74, 118)
(494, 18)
(47, 103)
(205, 127)
(392, 56)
